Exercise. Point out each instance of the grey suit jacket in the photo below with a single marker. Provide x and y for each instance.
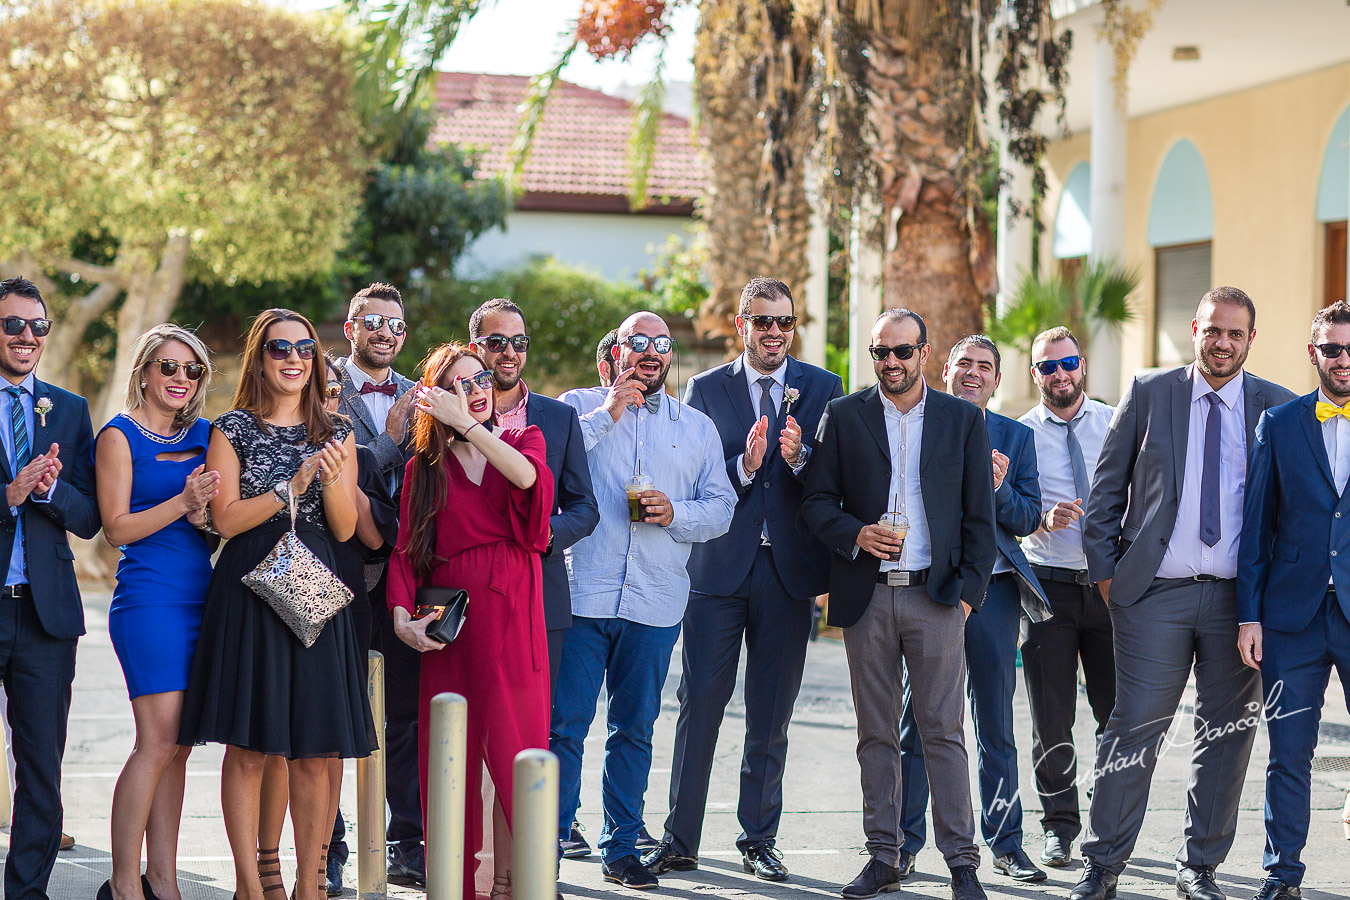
(367, 431)
(1133, 506)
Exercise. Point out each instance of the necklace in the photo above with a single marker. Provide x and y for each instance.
(157, 438)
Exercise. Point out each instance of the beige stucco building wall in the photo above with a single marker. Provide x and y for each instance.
(1263, 151)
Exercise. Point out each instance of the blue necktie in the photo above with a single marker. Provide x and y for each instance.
(1210, 529)
(18, 428)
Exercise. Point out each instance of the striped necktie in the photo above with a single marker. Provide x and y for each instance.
(18, 427)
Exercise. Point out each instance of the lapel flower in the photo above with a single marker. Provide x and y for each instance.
(43, 406)
(790, 396)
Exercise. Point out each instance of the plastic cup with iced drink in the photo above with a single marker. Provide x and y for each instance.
(897, 523)
(634, 488)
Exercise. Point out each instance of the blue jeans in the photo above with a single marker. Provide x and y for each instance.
(632, 660)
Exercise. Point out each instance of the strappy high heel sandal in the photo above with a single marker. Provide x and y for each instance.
(323, 871)
(269, 868)
(501, 886)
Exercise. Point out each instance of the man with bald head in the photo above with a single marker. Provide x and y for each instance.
(628, 579)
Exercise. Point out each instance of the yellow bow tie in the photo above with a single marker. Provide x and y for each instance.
(1327, 410)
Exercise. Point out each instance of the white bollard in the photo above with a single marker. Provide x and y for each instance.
(448, 741)
(371, 881)
(534, 848)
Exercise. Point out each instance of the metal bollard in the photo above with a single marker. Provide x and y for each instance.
(534, 848)
(445, 797)
(370, 817)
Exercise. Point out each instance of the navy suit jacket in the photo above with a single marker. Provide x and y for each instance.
(1017, 506)
(1295, 528)
(576, 513)
(848, 484)
(73, 508)
(721, 565)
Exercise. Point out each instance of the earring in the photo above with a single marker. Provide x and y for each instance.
(142, 384)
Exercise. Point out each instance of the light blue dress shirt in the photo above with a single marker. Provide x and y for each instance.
(16, 574)
(636, 570)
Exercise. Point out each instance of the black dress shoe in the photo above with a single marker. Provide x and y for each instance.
(1197, 883)
(645, 841)
(1056, 853)
(875, 878)
(966, 885)
(1018, 866)
(665, 858)
(575, 847)
(146, 890)
(105, 891)
(1275, 889)
(764, 862)
(905, 866)
(408, 869)
(628, 871)
(1096, 884)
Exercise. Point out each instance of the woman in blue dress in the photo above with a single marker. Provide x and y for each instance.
(153, 488)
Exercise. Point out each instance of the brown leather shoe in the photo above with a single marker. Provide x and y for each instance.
(67, 842)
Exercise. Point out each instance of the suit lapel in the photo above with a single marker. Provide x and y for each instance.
(792, 380)
(1312, 430)
(874, 417)
(1255, 404)
(532, 412)
(352, 397)
(739, 394)
(1181, 426)
(39, 444)
(994, 426)
(934, 425)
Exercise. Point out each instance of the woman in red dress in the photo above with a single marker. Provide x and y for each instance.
(475, 511)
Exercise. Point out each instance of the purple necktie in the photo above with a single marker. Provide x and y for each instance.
(1210, 529)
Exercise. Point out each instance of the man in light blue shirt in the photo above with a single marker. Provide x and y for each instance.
(628, 579)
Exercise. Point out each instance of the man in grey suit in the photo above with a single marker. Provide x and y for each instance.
(373, 394)
(903, 601)
(1161, 538)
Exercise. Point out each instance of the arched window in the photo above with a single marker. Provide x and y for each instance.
(1181, 232)
(1073, 219)
(1333, 206)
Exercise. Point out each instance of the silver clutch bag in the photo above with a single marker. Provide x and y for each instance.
(298, 586)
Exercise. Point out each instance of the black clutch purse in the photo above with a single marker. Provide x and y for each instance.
(449, 606)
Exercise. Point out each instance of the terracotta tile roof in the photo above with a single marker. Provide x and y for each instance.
(580, 156)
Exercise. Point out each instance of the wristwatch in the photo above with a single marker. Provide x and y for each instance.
(282, 491)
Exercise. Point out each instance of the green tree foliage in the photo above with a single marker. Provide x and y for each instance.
(1093, 297)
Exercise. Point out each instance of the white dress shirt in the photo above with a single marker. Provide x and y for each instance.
(1186, 554)
(377, 404)
(1336, 438)
(1064, 548)
(752, 377)
(904, 433)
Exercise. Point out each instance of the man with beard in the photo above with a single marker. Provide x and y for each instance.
(904, 599)
(972, 372)
(1070, 428)
(1294, 585)
(378, 400)
(48, 471)
(1161, 538)
(758, 582)
(628, 578)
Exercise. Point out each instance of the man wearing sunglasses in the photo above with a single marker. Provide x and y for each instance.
(48, 474)
(1294, 585)
(629, 579)
(757, 582)
(903, 602)
(973, 372)
(1069, 428)
(497, 330)
(378, 400)
(1161, 538)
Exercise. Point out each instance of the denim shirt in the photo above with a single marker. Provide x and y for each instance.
(636, 570)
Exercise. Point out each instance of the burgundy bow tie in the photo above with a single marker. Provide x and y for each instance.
(388, 388)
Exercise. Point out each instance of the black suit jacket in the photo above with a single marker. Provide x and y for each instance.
(721, 565)
(848, 480)
(73, 508)
(576, 513)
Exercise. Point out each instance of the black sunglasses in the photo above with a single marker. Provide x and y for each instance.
(904, 351)
(375, 321)
(14, 325)
(483, 379)
(496, 343)
(169, 367)
(1047, 367)
(1328, 351)
(640, 342)
(764, 323)
(279, 349)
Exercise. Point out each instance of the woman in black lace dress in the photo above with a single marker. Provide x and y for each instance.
(254, 686)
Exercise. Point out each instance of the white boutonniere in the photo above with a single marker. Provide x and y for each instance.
(44, 406)
(790, 396)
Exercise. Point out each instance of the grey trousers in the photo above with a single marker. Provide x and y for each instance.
(1177, 624)
(903, 628)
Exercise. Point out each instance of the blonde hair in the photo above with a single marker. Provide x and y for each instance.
(147, 349)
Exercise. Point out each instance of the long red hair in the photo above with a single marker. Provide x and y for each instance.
(426, 485)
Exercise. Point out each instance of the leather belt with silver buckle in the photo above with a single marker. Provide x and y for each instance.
(17, 590)
(1060, 574)
(899, 578)
(1206, 578)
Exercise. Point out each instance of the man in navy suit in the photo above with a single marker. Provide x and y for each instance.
(48, 470)
(972, 372)
(497, 331)
(757, 582)
(1294, 595)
